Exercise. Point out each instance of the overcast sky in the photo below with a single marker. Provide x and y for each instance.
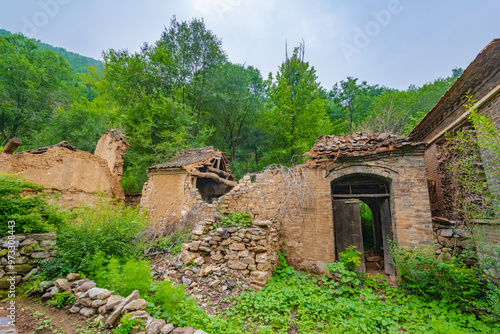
(393, 43)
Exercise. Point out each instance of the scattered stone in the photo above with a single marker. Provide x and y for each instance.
(186, 281)
(143, 315)
(167, 329)
(98, 303)
(74, 309)
(135, 305)
(86, 286)
(73, 277)
(155, 326)
(62, 284)
(184, 330)
(97, 293)
(50, 293)
(87, 311)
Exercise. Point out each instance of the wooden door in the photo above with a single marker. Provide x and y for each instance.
(385, 218)
(347, 227)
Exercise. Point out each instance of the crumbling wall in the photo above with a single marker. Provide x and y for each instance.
(251, 251)
(77, 176)
(112, 147)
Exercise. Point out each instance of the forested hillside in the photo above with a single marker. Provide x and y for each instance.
(181, 92)
(78, 62)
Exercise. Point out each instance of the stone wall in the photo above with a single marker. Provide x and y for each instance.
(20, 255)
(91, 300)
(251, 251)
(306, 213)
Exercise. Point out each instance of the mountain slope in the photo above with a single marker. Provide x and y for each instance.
(78, 62)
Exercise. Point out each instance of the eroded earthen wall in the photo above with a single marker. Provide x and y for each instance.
(77, 176)
(164, 195)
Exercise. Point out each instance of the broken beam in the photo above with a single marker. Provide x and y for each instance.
(359, 195)
(218, 171)
(215, 177)
(11, 146)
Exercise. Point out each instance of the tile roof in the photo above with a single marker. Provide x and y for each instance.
(190, 156)
(357, 144)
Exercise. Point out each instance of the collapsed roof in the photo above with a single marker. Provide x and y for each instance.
(358, 144)
(205, 162)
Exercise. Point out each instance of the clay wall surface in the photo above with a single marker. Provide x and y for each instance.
(164, 195)
(76, 176)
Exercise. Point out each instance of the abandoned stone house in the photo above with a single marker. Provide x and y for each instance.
(77, 176)
(401, 180)
(190, 177)
(384, 171)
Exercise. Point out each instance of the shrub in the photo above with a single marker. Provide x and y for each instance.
(104, 227)
(22, 202)
(351, 258)
(123, 277)
(436, 278)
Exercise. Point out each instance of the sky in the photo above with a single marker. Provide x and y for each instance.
(394, 43)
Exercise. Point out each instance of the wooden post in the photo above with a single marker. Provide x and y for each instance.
(11, 146)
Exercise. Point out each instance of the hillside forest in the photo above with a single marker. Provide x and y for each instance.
(183, 92)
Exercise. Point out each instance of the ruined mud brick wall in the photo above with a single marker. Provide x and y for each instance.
(307, 222)
(167, 196)
(251, 251)
(77, 176)
(19, 256)
(176, 186)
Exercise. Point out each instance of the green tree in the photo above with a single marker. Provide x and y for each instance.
(350, 101)
(86, 119)
(193, 54)
(234, 105)
(400, 111)
(295, 114)
(31, 85)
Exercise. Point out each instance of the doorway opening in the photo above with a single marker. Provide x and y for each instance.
(362, 218)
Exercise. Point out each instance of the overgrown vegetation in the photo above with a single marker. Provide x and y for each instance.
(438, 279)
(235, 219)
(62, 299)
(349, 302)
(25, 203)
(104, 227)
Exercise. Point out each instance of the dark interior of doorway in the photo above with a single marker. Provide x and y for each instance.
(373, 193)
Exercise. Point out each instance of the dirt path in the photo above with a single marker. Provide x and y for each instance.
(32, 317)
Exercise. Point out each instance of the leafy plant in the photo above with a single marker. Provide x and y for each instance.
(23, 202)
(62, 299)
(235, 219)
(127, 325)
(437, 279)
(123, 277)
(106, 227)
(351, 258)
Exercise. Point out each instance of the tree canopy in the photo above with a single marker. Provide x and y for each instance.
(182, 92)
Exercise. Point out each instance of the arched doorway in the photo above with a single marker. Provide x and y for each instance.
(373, 190)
